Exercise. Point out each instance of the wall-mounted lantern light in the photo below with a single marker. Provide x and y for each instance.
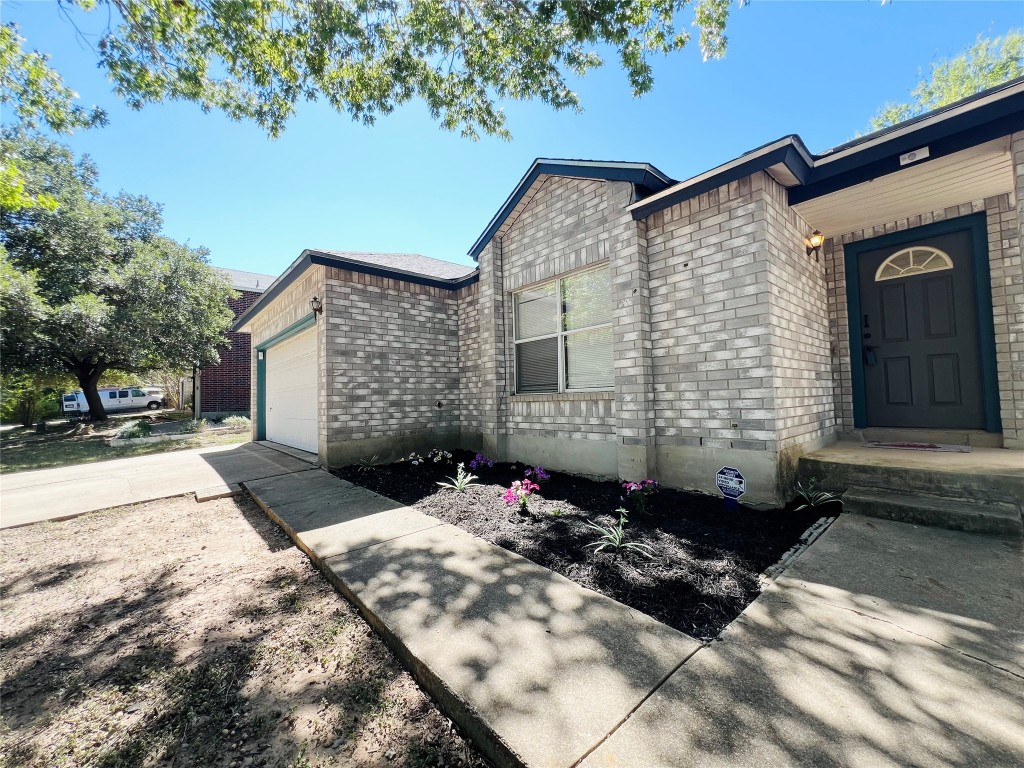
(316, 305)
(814, 243)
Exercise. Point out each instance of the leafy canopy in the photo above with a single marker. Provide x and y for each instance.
(38, 98)
(987, 63)
(91, 285)
(258, 60)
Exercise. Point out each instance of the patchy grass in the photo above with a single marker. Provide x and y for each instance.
(63, 444)
(177, 634)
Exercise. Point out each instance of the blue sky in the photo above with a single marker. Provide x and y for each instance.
(819, 69)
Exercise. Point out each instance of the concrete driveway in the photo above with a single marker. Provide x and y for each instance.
(50, 494)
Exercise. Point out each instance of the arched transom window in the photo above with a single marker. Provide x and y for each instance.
(913, 261)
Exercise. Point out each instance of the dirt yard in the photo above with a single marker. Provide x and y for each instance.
(180, 634)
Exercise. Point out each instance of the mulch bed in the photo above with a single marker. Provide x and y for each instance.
(707, 560)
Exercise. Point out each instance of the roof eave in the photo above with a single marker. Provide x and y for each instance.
(643, 174)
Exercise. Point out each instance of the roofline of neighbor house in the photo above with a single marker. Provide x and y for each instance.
(974, 120)
(311, 256)
(642, 174)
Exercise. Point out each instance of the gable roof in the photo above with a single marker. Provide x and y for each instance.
(643, 175)
(409, 267)
(982, 117)
(406, 263)
(253, 282)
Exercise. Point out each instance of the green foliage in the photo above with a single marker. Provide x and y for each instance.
(27, 398)
(258, 61)
(987, 63)
(134, 430)
(613, 538)
(813, 496)
(191, 426)
(237, 422)
(369, 463)
(38, 99)
(95, 286)
(461, 481)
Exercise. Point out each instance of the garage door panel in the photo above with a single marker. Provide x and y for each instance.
(291, 392)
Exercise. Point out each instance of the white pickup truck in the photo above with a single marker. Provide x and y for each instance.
(114, 399)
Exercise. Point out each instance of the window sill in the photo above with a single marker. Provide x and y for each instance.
(549, 397)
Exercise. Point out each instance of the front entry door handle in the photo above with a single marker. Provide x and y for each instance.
(870, 356)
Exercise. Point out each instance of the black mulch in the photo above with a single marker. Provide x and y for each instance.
(706, 559)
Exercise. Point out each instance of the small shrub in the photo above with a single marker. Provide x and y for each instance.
(637, 492)
(237, 422)
(192, 426)
(480, 461)
(369, 463)
(134, 430)
(613, 537)
(813, 497)
(519, 493)
(461, 481)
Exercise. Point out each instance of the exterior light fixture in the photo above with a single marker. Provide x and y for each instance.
(814, 243)
(316, 305)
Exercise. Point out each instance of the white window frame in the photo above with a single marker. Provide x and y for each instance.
(560, 334)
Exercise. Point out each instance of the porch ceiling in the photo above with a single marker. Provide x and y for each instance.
(973, 174)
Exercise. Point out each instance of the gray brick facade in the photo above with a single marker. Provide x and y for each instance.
(730, 342)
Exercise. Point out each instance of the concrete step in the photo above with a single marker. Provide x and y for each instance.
(987, 517)
(983, 476)
(973, 437)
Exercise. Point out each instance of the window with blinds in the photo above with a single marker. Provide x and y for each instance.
(563, 334)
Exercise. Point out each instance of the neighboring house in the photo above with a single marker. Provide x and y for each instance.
(623, 324)
(223, 389)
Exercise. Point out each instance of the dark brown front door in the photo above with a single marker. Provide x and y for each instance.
(919, 327)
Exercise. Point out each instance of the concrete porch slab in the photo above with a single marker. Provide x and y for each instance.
(884, 645)
(536, 669)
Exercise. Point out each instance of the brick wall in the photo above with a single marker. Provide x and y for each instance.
(801, 355)
(711, 320)
(226, 386)
(1007, 277)
(392, 358)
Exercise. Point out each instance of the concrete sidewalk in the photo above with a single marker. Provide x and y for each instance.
(884, 644)
(53, 494)
(536, 669)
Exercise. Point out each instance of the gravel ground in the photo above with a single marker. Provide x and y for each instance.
(706, 562)
(179, 634)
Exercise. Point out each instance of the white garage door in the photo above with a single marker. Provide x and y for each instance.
(291, 392)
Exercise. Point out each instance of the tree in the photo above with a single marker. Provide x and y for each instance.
(258, 60)
(90, 286)
(987, 63)
(39, 99)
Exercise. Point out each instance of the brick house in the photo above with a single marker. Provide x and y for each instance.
(619, 323)
(224, 389)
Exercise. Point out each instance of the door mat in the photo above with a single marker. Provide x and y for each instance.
(921, 447)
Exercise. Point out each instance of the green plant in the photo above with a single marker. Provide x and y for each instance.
(192, 426)
(813, 496)
(461, 481)
(613, 537)
(237, 422)
(368, 463)
(135, 429)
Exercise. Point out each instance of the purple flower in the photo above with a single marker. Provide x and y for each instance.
(480, 460)
(538, 474)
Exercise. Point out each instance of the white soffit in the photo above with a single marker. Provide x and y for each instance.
(973, 174)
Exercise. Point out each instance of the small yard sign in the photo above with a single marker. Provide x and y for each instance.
(730, 482)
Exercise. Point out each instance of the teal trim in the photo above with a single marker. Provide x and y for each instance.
(261, 369)
(977, 223)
